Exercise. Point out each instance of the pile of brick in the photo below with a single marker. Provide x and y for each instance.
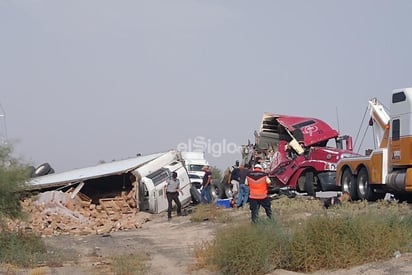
(56, 212)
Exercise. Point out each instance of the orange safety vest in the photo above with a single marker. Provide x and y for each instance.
(258, 187)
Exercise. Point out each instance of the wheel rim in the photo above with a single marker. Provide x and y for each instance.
(346, 182)
(215, 192)
(228, 192)
(362, 184)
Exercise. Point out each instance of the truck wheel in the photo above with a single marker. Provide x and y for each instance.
(365, 191)
(348, 184)
(194, 192)
(228, 191)
(217, 190)
(309, 186)
(42, 170)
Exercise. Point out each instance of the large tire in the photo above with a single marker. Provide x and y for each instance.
(365, 190)
(195, 194)
(217, 191)
(309, 184)
(42, 170)
(51, 171)
(228, 190)
(348, 184)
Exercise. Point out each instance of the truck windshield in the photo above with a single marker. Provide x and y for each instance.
(196, 167)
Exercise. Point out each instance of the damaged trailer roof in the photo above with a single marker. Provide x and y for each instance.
(82, 174)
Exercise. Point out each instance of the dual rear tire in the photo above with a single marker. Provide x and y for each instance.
(221, 190)
(358, 187)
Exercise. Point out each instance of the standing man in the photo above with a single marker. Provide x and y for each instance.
(172, 190)
(207, 185)
(234, 179)
(243, 194)
(258, 192)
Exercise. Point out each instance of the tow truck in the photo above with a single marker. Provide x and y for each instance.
(387, 169)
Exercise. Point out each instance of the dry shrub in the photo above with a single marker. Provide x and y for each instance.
(204, 212)
(306, 237)
(23, 250)
(203, 252)
(330, 242)
(137, 264)
(38, 271)
(284, 206)
(240, 249)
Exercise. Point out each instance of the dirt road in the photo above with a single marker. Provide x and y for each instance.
(169, 244)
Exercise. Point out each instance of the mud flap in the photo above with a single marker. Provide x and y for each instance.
(309, 187)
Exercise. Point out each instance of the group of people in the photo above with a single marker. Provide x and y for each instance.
(247, 185)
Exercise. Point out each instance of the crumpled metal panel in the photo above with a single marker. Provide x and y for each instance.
(307, 130)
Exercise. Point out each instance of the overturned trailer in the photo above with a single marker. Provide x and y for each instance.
(141, 180)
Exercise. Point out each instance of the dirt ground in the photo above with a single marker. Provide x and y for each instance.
(170, 246)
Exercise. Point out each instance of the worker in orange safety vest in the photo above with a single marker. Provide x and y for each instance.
(258, 181)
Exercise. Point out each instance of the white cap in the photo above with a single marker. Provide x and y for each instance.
(258, 166)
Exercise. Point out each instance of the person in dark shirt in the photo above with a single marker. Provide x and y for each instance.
(243, 195)
(234, 179)
(205, 194)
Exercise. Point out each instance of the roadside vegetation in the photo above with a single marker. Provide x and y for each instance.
(12, 176)
(216, 174)
(16, 248)
(304, 237)
(137, 264)
(209, 212)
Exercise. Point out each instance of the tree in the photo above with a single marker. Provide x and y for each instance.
(216, 173)
(13, 175)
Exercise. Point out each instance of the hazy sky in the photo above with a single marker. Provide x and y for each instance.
(85, 81)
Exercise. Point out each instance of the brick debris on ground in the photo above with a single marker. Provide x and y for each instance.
(57, 212)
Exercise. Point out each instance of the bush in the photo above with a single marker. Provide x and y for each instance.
(204, 212)
(340, 242)
(16, 248)
(13, 175)
(131, 264)
(23, 250)
(341, 237)
(240, 249)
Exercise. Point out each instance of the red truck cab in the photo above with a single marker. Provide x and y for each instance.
(300, 153)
